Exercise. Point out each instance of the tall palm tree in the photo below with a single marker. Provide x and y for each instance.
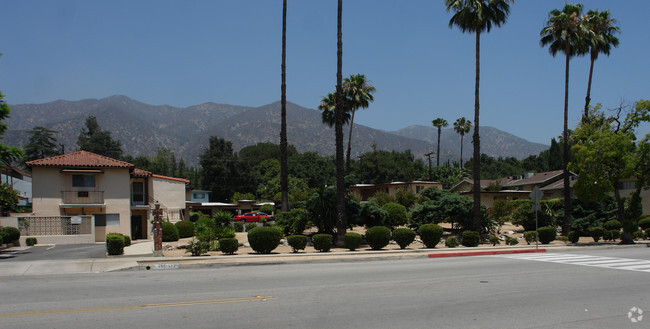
(439, 123)
(477, 16)
(600, 38)
(565, 33)
(341, 222)
(462, 126)
(284, 185)
(359, 95)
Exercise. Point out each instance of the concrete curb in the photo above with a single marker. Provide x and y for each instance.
(482, 253)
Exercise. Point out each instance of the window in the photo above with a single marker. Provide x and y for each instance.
(418, 189)
(82, 194)
(83, 181)
(199, 195)
(107, 219)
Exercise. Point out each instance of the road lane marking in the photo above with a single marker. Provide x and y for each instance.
(131, 307)
(639, 265)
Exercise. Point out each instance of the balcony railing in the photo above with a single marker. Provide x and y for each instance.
(82, 197)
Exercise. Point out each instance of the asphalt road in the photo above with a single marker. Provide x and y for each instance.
(464, 292)
(54, 252)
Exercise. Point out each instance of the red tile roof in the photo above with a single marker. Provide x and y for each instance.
(171, 178)
(80, 159)
(140, 173)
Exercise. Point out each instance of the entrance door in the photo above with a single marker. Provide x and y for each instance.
(137, 232)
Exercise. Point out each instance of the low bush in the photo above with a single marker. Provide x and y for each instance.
(596, 233)
(530, 236)
(185, 229)
(430, 234)
(511, 241)
(403, 237)
(613, 224)
(471, 239)
(228, 246)
(297, 242)
(451, 242)
(647, 232)
(494, 240)
(639, 235)
(250, 226)
(353, 240)
(197, 247)
(644, 223)
(607, 235)
(264, 239)
(378, 237)
(322, 242)
(9, 234)
(127, 240)
(114, 243)
(238, 226)
(31, 241)
(194, 216)
(574, 236)
(227, 232)
(169, 232)
(547, 234)
(564, 239)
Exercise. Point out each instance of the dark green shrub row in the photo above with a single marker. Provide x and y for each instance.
(9, 234)
(430, 234)
(596, 233)
(185, 229)
(574, 236)
(613, 224)
(353, 240)
(471, 239)
(378, 237)
(264, 239)
(31, 241)
(322, 242)
(239, 226)
(114, 243)
(451, 242)
(403, 237)
(228, 246)
(297, 242)
(250, 226)
(169, 232)
(639, 235)
(127, 240)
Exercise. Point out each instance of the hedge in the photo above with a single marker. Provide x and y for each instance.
(353, 240)
(169, 232)
(574, 236)
(403, 237)
(264, 239)
(114, 243)
(471, 239)
(228, 246)
(185, 229)
(430, 234)
(644, 223)
(547, 234)
(596, 233)
(297, 242)
(322, 242)
(378, 237)
(451, 242)
(612, 225)
(31, 241)
(9, 234)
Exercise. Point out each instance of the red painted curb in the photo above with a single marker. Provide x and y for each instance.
(488, 252)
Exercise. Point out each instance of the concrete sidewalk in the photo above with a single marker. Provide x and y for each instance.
(139, 257)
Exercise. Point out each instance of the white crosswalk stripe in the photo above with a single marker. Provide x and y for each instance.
(628, 264)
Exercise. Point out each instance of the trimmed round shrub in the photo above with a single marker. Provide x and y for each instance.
(297, 242)
(639, 235)
(9, 234)
(607, 235)
(169, 232)
(529, 236)
(353, 240)
(397, 214)
(250, 226)
(574, 236)
(322, 242)
(451, 242)
(238, 226)
(114, 243)
(185, 229)
(644, 223)
(30, 241)
(403, 237)
(511, 241)
(616, 234)
(596, 233)
(264, 239)
(547, 234)
(228, 246)
(647, 232)
(494, 240)
(127, 240)
(471, 239)
(430, 234)
(378, 237)
(612, 225)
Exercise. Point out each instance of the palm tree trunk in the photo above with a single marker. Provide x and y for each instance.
(566, 226)
(585, 118)
(461, 151)
(341, 223)
(476, 141)
(284, 186)
(347, 156)
(438, 150)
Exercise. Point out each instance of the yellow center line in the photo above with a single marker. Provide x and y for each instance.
(130, 307)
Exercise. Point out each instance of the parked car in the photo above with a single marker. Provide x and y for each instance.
(270, 217)
(251, 217)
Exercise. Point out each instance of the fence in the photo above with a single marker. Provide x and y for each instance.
(55, 225)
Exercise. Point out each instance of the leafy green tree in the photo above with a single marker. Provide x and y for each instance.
(8, 198)
(600, 37)
(164, 163)
(565, 33)
(42, 144)
(405, 197)
(93, 139)
(462, 126)
(384, 166)
(8, 154)
(397, 215)
(477, 16)
(372, 214)
(359, 95)
(254, 154)
(439, 123)
(222, 173)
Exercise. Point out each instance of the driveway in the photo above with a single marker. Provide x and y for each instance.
(54, 252)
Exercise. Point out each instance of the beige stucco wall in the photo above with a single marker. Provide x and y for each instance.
(169, 193)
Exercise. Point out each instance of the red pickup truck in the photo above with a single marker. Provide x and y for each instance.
(250, 217)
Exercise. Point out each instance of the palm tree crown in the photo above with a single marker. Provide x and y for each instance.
(328, 106)
(564, 31)
(478, 15)
(439, 123)
(462, 126)
(358, 93)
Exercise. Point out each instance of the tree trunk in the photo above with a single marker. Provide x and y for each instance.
(461, 151)
(566, 226)
(585, 118)
(476, 141)
(284, 175)
(341, 223)
(347, 156)
(438, 150)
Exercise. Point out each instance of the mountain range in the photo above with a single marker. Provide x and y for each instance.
(143, 128)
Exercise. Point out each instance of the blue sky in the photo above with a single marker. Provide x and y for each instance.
(184, 53)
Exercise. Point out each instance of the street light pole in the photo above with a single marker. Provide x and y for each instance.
(157, 230)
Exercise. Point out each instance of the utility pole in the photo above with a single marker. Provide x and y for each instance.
(429, 156)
